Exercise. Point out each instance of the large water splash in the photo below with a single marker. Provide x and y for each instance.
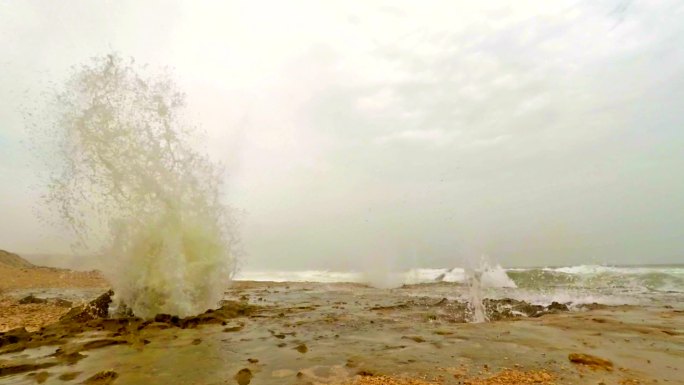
(132, 188)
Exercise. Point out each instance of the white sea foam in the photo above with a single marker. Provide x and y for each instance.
(322, 276)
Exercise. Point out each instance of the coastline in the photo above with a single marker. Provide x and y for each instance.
(323, 333)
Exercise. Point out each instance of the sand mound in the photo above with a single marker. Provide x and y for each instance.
(34, 312)
(18, 273)
(13, 260)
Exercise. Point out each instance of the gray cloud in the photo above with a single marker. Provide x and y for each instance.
(539, 134)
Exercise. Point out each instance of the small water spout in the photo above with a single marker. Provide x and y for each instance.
(475, 305)
(476, 309)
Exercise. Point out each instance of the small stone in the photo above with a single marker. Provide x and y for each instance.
(68, 376)
(302, 348)
(591, 361)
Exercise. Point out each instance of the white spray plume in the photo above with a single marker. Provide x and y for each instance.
(131, 186)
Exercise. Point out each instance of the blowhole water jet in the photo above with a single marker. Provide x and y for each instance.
(476, 309)
(127, 181)
(480, 275)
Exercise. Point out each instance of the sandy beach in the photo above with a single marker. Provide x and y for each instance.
(315, 333)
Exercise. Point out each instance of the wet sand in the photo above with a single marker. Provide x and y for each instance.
(309, 333)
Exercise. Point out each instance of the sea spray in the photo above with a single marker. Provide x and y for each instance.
(131, 186)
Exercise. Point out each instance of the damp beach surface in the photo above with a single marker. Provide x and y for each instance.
(341, 333)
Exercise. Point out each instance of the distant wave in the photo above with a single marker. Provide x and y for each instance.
(628, 279)
(635, 279)
(492, 277)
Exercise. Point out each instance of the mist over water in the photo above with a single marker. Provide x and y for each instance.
(130, 185)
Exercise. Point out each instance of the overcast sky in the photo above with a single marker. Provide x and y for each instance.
(412, 134)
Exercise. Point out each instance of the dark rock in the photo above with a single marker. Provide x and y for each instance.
(229, 309)
(593, 306)
(63, 303)
(202, 319)
(164, 318)
(414, 338)
(441, 302)
(9, 369)
(302, 348)
(68, 376)
(155, 326)
(232, 309)
(97, 308)
(96, 344)
(104, 377)
(39, 377)
(398, 306)
(233, 329)
(555, 306)
(14, 336)
(31, 299)
(364, 373)
(243, 377)
(69, 358)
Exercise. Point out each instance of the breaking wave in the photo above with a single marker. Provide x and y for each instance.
(629, 279)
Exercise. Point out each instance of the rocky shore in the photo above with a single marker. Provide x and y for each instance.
(309, 333)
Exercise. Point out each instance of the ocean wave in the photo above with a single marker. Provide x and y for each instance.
(492, 277)
(635, 279)
(624, 279)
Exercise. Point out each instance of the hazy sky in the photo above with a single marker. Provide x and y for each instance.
(403, 133)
